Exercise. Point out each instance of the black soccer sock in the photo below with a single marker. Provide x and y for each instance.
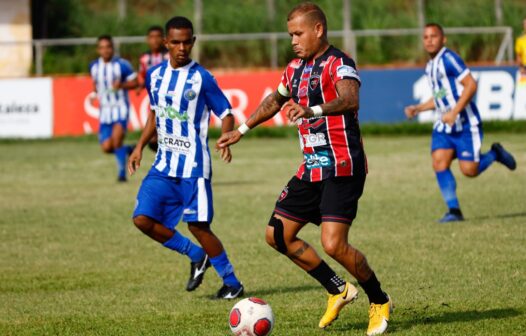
(374, 291)
(455, 211)
(327, 278)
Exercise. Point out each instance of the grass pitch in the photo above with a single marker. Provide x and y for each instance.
(73, 264)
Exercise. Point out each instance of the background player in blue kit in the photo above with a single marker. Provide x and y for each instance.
(458, 132)
(112, 78)
(182, 93)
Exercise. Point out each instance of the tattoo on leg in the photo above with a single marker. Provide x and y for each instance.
(299, 252)
(361, 267)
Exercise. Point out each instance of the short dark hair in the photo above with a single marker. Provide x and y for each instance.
(155, 28)
(178, 22)
(313, 12)
(435, 25)
(105, 37)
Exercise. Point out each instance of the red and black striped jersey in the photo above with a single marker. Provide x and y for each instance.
(332, 145)
(148, 60)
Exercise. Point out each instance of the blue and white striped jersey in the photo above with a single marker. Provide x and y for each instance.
(444, 73)
(182, 99)
(114, 104)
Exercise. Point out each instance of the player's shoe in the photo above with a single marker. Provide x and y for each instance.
(503, 156)
(336, 303)
(451, 217)
(197, 272)
(379, 317)
(122, 178)
(229, 292)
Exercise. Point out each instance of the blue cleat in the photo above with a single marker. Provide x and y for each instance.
(451, 217)
(503, 156)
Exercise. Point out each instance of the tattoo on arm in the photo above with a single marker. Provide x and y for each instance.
(348, 99)
(267, 109)
(299, 252)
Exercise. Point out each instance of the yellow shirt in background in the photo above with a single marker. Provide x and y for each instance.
(520, 48)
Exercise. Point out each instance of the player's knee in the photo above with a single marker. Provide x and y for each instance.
(471, 171)
(143, 223)
(333, 247)
(107, 147)
(277, 240)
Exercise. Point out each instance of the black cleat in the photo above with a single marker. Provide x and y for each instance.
(229, 292)
(197, 273)
(122, 179)
(503, 156)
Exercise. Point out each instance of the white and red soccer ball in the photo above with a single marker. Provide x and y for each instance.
(251, 317)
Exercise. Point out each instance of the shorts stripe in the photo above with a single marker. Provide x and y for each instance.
(475, 137)
(336, 219)
(288, 216)
(202, 201)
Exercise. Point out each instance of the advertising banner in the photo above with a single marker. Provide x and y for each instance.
(26, 108)
(383, 95)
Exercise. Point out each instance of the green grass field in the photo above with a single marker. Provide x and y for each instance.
(72, 263)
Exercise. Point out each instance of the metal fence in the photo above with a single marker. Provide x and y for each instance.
(505, 51)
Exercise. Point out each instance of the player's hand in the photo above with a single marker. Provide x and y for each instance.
(410, 111)
(134, 162)
(227, 139)
(117, 85)
(449, 118)
(296, 111)
(226, 154)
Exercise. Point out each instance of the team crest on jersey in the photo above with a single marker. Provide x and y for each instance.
(314, 81)
(189, 94)
(283, 194)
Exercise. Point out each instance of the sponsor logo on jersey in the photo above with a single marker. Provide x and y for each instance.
(317, 160)
(346, 70)
(175, 143)
(189, 94)
(312, 123)
(314, 81)
(302, 92)
(314, 139)
(440, 93)
(170, 113)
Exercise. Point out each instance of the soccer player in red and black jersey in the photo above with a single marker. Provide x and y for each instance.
(156, 54)
(323, 84)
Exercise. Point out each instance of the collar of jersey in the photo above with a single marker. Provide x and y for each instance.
(186, 67)
(439, 54)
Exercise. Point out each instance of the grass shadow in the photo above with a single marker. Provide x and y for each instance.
(502, 216)
(455, 317)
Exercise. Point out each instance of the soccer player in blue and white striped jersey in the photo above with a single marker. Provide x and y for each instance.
(112, 78)
(178, 186)
(458, 131)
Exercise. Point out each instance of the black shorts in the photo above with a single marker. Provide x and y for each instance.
(331, 200)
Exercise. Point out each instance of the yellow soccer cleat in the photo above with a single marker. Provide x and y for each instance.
(378, 317)
(336, 303)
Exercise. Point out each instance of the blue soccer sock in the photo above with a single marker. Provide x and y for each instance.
(120, 156)
(225, 270)
(448, 187)
(129, 149)
(185, 246)
(486, 160)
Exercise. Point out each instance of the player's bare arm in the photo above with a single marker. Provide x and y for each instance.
(134, 162)
(347, 102)
(267, 109)
(227, 125)
(470, 87)
(412, 110)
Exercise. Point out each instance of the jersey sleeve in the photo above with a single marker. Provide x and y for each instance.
(215, 98)
(284, 85)
(344, 68)
(127, 73)
(455, 66)
(147, 85)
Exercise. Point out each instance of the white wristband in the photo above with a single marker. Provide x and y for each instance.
(317, 111)
(243, 128)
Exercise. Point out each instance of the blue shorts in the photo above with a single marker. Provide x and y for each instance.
(105, 130)
(466, 143)
(166, 199)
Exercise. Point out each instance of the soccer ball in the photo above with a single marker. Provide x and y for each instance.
(251, 317)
